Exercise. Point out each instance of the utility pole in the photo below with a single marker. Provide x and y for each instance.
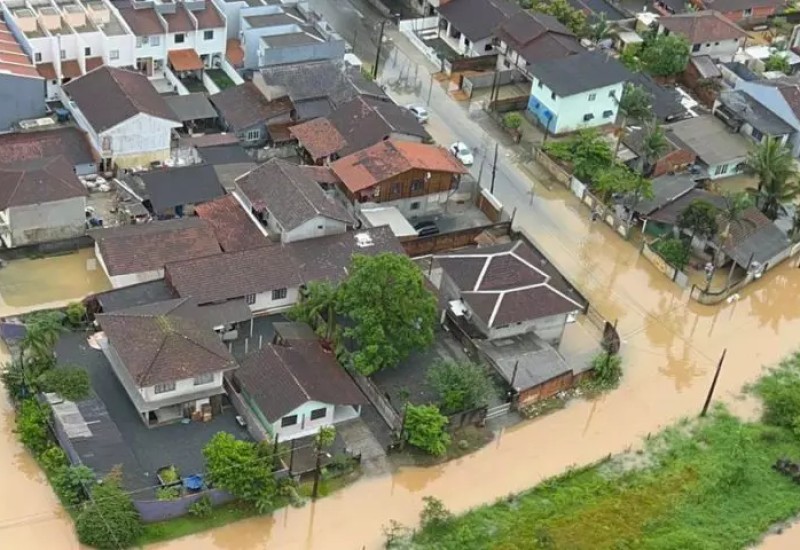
(430, 91)
(317, 473)
(713, 384)
(378, 52)
(494, 167)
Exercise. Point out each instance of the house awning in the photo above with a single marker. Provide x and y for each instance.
(185, 60)
(226, 313)
(47, 71)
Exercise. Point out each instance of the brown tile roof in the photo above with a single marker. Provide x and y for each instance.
(245, 106)
(37, 181)
(290, 195)
(70, 69)
(702, 26)
(319, 137)
(537, 37)
(69, 141)
(185, 60)
(234, 52)
(143, 22)
(164, 342)
(180, 21)
(237, 274)
(148, 247)
(47, 71)
(232, 226)
(509, 283)
(108, 96)
(208, 17)
(281, 378)
(320, 174)
(93, 62)
(391, 158)
(726, 6)
(210, 140)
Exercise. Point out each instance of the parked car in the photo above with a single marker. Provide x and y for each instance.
(419, 112)
(462, 153)
(426, 229)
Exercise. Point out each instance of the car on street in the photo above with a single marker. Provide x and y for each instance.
(427, 229)
(462, 153)
(419, 112)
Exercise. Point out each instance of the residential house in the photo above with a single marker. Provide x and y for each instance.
(708, 32)
(703, 76)
(174, 191)
(666, 190)
(532, 37)
(781, 97)
(22, 86)
(224, 153)
(128, 122)
(269, 278)
(719, 152)
(676, 157)
(253, 117)
(132, 254)
(63, 141)
(414, 177)
(746, 12)
(468, 26)
(743, 114)
(364, 121)
(665, 101)
(235, 229)
(290, 203)
(595, 9)
(579, 91)
(295, 386)
(735, 71)
(41, 200)
(194, 111)
(169, 361)
(319, 140)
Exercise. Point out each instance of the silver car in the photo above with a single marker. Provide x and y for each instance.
(419, 112)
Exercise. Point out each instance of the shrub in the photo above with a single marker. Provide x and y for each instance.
(460, 386)
(606, 370)
(168, 493)
(202, 508)
(109, 520)
(433, 514)
(780, 392)
(70, 483)
(674, 251)
(31, 428)
(53, 459)
(76, 314)
(512, 120)
(169, 475)
(71, 383)
(424, 428)
(237, 467)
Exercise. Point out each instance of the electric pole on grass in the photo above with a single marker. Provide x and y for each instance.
(494, 167)
(713, 384)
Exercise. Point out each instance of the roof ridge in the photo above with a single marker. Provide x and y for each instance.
(17, 186)
(289, 371)
(143, 376)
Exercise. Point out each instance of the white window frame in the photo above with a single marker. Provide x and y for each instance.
(296, 420)
(37, 57)
(208, 35)
(155, 40)
(113, 55)
(324, 413)
(592, 96)
(166, 387)
(180, 35)
(253, 135)
(203, 379)
(250, 299)
(279, 294)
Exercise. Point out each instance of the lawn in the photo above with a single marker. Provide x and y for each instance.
(706, 484)
(221, 79)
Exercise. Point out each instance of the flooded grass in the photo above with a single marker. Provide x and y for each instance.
(463, 441)
(711, 486)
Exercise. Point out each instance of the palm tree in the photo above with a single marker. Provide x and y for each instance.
(42, 333)
(599, 30)
(771, 162)
(634, 105)
(654, 145)
(771, 197)
(730, 213)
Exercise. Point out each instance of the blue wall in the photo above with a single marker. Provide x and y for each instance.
(542, 113)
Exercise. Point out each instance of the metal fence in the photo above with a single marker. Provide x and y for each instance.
(378, 400)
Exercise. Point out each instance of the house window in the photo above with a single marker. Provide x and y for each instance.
(506, 64)
(395, 189)
(592, 97)
(37, 57)
(487, 48)
(287, 421)
(716, 43)
(253, 135)
(139, 41)
(467, 43)
(316, 414)
(155, 40)
(179, 38)
(721, 169)
(164, 388)
(757, 135)
(204, 379)
(415, 205)
(63, 54)
(696, 48)
(113, 54)
(541, 84)
(748, 12)
(279, 294)
(417, 185)
(250, 299)
(87, 51)
(208, 35)
(587, 117)
(607, 114)
(553, 95)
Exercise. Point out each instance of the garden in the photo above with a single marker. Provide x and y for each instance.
(714, 483)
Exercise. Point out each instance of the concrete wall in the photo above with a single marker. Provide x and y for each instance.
(722, 50)
(140, 140)
(318, 227)
(265, 304)
(51, 221)
(425, 204)
(568, 112)
(151, 511)
(183, 388)
(21, 97)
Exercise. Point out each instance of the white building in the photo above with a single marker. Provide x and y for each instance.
(468, 26)
(169, 361)
(708, 32)
(722, 152)
(575, 92)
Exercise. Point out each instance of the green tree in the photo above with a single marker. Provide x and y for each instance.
(434, 514)
(674, 251)
(636, 104)
(606, 370)
(325, 437)
(778, 62)
(699, 219)
(109, 519)
(424, 428)
(654, 145)
(76, 314)
(665, 55)
(631, 58)
(317, 308)
(574, 20)
(71, 383)
(460, 385)
(512, 120)
(598, 30)
(590, 154)
(32, 422)
(391, 310)
(773, 165)
(70, 483)
(731, 212)
(237, 467)
(43, 330)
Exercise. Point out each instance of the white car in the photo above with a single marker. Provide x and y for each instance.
(462, 153)
(419, 112)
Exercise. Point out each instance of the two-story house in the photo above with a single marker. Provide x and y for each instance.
(782, 98)
(294, 386)
(530, 38)
(708, 32)
(129, 124)
(467, 26)
(743, 114)
(414, 177)
(287, 200)
(168, 359)
(741, 11)
(578, 91)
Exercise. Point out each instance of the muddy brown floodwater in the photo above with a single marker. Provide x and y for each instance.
(670, 347)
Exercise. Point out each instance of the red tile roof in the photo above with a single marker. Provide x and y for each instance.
(208, 17)
(702, 26)
(13, 59)
(93, 62)
(319, 137)
(69, 141)
(142, 21)
(234, 52)
(235, 230)
(391, 158)
(47, 71)
(185, 60)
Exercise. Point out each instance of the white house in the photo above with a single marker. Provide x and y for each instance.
(132, 254)
(578, 91)
(170, 362)
(296, 387)
(468, 26)
(290, 203)
(722, 152)
(782, 98)
(708, 32)
(128, 122)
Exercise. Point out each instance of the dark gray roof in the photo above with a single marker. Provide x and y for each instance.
(134, 295)
(762, 246)
(171, 187)
(747, 109)
(290, 195)
(741, 70)
(313, 108)
(320, 79)
(526, 356)
(581, 73)
(191, 107)
(710, 139)
(225, 154)
(666, 101)
(597, 7)
(666, 189)
(477, 19)
(705, 66)
(537, 37)
(725, 6)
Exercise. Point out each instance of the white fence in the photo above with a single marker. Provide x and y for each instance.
(231, 72)
(175, 81)
(411, 28)
(210, 85)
